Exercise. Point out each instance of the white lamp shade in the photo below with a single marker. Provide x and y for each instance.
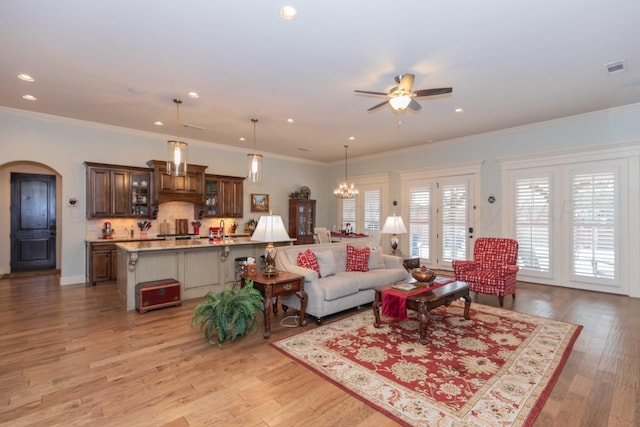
(270, 229)
(394, 225)
(401, 102)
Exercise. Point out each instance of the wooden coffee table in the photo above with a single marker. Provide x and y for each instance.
(426, 301)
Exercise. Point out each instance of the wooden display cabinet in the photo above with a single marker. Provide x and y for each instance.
(302, 220)
(115, 191)
(224, 196)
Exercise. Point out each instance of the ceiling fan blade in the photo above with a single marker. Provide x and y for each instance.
(378, 105)
(414, 105)
(431, 92)
(406, 83)
(371, 93)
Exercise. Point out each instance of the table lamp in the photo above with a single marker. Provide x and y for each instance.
(394, 225)
(270, 229)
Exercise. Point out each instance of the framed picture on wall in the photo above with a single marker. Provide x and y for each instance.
(259, 203)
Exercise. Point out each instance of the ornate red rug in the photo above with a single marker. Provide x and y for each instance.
(496, 369)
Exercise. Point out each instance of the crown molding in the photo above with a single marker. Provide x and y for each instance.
(24, 114)
(608, 113)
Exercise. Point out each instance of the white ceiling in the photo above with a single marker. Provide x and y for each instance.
(509, 62)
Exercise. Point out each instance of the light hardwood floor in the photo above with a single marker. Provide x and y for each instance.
(72, 356)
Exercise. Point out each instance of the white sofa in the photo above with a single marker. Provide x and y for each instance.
(338, 289)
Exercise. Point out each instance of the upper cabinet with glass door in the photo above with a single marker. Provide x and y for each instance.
(140, 194)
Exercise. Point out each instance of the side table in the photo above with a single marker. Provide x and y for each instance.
(283, 284)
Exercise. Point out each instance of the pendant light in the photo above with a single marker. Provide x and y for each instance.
(346, 190)
(255, 160)
(177, 150)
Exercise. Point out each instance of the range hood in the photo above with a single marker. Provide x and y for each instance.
(172, 188)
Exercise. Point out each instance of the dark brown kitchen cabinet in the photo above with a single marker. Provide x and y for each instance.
(224, 196)
(172, 188)
(115, 191)
(302, 220)
(103, 266)
(107, 191)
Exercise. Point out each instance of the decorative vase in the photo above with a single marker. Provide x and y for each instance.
(423, 274)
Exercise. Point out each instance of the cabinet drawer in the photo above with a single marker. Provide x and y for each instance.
(282, 288)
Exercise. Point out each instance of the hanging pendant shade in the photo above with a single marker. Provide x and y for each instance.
(255, 160)
(346, 190)
(177, 150)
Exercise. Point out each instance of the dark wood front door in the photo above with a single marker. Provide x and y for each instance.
(33, 222)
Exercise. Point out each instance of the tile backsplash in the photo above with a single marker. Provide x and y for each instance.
(168, 212)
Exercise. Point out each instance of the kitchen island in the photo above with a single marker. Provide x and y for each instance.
(198, 265)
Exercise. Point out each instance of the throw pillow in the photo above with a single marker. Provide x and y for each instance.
(308, 260)
(375, 259)
(326, 262)
(358, 259)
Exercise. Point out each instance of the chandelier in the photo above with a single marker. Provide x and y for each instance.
(346, 190)
(177, 150)
(255, 160)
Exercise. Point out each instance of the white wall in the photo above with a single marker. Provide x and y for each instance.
(594, 129)
(64, 145)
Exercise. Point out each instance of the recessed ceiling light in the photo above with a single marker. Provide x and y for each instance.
(242, 139)
(158, 123)
(290, 121)
(193, 95)
(352, 138)
(136, 91)
(25, 77)
(30, 97)
(288, 13)
(459, 110)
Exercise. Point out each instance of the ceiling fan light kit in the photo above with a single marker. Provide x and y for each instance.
(399, 103)
(402, 97)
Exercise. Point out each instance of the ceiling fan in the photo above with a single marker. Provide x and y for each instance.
(401, 96)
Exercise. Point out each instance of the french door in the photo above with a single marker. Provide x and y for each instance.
(440, 211)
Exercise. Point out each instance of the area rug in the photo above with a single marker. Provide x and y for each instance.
(496, 369)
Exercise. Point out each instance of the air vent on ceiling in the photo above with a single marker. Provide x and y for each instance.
(615, 67)
(187, 125)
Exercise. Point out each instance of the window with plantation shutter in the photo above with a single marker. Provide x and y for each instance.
(573, 216)
(349, 213)
(372, 209)
(533, 222)
(593, 217)
(363, 212)
(419, 221)
(454, 222)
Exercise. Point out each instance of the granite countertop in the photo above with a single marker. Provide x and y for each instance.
(158, 245)
(152, 238)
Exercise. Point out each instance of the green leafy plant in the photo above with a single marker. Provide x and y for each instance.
(232, 313)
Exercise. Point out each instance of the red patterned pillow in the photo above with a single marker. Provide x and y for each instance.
(358, 259)
(307, 259)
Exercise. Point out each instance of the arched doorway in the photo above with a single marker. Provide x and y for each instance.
(30, 230)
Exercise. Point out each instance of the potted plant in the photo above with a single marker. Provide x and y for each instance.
(232, 312)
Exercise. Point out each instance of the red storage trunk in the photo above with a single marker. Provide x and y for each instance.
(157, 294)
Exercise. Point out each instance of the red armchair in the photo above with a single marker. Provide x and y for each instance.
(493, 269)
